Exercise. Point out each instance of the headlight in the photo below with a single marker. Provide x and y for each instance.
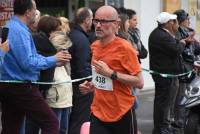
(194, 90)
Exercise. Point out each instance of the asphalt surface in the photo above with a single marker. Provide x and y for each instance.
(145, 111)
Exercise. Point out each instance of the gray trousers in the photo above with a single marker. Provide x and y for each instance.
(180, 111)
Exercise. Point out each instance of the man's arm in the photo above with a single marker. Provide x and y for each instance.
(136, 81)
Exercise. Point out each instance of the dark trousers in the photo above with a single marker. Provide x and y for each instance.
(163, 102)
(31, 127)
(124, 125)
(180, 111)
(135, 125)
(19, 100)
(62, 115)
(80, 110)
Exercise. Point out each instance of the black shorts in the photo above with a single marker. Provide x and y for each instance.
(124, 125)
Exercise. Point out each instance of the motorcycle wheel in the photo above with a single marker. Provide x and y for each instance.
(192, 124)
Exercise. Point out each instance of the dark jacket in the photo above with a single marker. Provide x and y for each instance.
(164, 52)
(80, 52)
(45, 48)
(189, 54)
(135, 35)
(193, 47)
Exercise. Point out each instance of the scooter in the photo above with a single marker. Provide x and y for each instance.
(191, 101)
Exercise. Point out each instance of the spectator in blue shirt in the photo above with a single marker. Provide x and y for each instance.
(23, 63)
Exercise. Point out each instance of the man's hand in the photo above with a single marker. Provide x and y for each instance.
(86, 87)
(62, 57)
(102, 68)
(4, 46)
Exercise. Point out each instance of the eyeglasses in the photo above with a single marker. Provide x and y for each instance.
(102, 22)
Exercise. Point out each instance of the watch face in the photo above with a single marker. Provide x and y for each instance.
(114, 76)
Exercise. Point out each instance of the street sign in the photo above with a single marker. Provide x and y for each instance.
(6, 10)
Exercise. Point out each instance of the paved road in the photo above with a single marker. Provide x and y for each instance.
(145, 112)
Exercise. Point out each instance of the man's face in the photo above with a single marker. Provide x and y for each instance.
(185, 23)
(175, 26)
(104, 26)
(31, 14)
(90, 18)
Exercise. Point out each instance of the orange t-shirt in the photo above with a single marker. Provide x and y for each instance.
(119, 55)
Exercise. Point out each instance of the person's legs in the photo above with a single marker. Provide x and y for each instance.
(125, 124)
(63, 117)
(39, 112)
(64, 123)
(173, 96)
(12, 115)
(22, 129)
(58, 112)
(135, 126)
(80, 111)
(19, 99)
(98, 127)
(134, 107)
(162, 104)
(11, 118)
(31, 127)
(180, 111)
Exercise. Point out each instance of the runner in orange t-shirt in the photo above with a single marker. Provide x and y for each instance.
(115, 71)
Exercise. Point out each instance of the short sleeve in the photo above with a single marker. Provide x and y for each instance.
(130, 61)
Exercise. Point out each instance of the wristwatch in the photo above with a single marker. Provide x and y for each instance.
(114, 75)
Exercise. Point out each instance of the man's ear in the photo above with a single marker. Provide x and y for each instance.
(87, 20)
(27, 12)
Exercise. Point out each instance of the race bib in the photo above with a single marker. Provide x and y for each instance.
(101, 82)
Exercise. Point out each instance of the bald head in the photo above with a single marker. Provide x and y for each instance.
(107, 12)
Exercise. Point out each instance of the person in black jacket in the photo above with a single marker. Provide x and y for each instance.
(187, 59)
(164, 51)
(80, 67)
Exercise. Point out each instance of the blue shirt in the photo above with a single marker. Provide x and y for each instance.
(2, 54)
(22, 62)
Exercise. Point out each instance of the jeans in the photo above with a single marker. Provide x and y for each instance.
(63, 115)
(134, 107)
(22, 129)
(136, 103)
